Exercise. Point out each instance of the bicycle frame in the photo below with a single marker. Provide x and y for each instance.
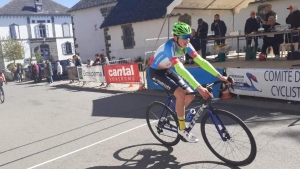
(205, 106)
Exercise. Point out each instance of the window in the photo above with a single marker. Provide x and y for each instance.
(128, 36)
(186, 19)
(41, 31)
(67, 48)
(14, 31)
(66, 30)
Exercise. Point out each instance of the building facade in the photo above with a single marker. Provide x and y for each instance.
(43, 26)
(87, 16)
(130, 27)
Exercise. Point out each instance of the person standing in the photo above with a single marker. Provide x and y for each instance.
(219, 28)
(252, 25)
(50, 72)
(104, 61)
(59, 71)
(202, 32)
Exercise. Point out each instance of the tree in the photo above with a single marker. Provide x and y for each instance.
(38, 57)
(12, 49)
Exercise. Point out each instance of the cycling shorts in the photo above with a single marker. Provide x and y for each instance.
(168, 79)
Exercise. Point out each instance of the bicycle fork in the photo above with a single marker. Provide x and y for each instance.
(215, 118)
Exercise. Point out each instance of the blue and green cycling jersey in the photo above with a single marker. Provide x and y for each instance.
(168, 54)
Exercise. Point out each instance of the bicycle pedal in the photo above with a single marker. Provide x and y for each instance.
(183, 139)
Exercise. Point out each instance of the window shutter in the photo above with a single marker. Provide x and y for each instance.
(63, 47)
(47, 30)
(66, 30)
(12, 29)
(73, 48)
(37, 31)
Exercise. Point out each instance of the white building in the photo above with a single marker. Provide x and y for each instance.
(129, 23)
(42, 25)
(87, 16)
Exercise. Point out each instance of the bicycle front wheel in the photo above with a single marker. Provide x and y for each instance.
(228, 137)
(163, 123)
(1, 95)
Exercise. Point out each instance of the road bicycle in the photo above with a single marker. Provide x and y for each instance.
(2, 97)
(221, 130)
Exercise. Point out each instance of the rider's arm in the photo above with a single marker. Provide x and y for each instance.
(3, 77)
(180, 69)
(201, 62)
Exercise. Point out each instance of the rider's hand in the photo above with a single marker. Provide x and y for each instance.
(225, 79)
(204, 92)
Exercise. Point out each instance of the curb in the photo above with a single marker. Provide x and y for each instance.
(246, 101)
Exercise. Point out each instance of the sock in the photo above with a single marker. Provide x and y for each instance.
(181, 123)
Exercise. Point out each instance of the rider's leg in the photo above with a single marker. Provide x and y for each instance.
(182, 101)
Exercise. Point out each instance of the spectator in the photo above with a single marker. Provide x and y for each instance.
(194, 40)
(59, 71)
(46, 72)
(77, 60)
(19, 73)
(97, 60)
(219, 28)
(252, 25)
(269, 12)
(202, 31)
(50, 72)
(272, 40)
(104, 61)
(294, 20)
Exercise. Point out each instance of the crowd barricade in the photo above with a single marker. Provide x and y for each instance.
(118, 71)
(269, 83)
(199, 74)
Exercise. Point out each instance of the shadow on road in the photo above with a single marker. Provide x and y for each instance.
(155, 156)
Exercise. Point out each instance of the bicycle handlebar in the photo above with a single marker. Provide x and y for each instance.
(209, 86)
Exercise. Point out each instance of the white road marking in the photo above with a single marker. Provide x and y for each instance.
(83, 148)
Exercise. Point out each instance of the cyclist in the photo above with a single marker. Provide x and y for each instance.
(2, 78)
(166, 56)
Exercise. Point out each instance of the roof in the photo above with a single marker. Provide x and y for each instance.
(84, 4)
(129, 11)
(25, 7)
(233, 5)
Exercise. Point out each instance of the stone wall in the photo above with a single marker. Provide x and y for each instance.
(35, 46)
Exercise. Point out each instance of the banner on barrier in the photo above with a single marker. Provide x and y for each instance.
(92, 74)
(120, 73)
(270, 83)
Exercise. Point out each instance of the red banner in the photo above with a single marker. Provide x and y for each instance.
(119, 73)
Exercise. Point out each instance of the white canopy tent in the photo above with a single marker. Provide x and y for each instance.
(232, 5)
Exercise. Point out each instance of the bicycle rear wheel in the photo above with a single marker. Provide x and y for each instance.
(162, 123)
(235, 136)
(2, 98)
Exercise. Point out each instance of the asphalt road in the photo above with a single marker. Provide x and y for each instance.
(60, 127)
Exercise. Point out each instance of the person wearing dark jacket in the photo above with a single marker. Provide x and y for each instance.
(269, 12)
(219, 28)
(202, 31)
(194, 40)
(273, 40)
(294, 20)
(252, 25)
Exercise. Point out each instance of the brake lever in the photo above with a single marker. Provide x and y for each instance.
(231, 81)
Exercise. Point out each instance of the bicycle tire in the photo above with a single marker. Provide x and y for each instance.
(253, 150)
(154, 133)
(2, 98)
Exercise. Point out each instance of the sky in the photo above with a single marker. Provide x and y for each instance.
(67, 3)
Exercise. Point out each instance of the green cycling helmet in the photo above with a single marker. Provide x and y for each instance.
(181, 28)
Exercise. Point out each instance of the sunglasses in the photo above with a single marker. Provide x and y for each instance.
(184, 37)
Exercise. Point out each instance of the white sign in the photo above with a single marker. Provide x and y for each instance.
(91, 74)
(270, 83)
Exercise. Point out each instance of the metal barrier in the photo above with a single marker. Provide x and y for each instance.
(121, 61)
